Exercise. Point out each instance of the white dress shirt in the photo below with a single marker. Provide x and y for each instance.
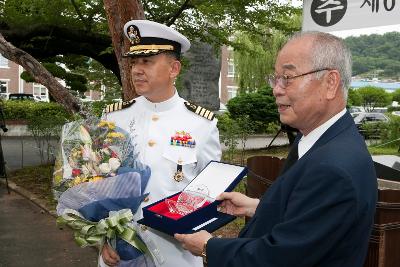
(307, 141)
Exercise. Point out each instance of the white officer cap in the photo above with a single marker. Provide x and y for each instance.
(150, 38)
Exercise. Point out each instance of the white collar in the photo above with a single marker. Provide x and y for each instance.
(161, 106)
(306, 142)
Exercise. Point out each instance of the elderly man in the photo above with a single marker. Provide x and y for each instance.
(320, 210)
(155, 118)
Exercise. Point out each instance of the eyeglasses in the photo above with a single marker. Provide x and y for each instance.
(283, 80)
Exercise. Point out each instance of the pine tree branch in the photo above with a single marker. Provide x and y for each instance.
(41, 75)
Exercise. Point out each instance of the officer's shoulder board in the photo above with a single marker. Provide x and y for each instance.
(118, 106)
(209, 115)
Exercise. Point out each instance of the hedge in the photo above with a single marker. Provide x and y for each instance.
(26, 110)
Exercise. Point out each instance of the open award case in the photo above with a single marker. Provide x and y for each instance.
(195, 208)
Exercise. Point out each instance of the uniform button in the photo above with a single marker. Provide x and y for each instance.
(151, 143)
(143, 227)
(154, 118)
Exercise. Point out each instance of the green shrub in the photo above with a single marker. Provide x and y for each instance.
(390, 109)
(45, 121)
(97, 107)
(391, 131)
(273, 127)
(24, 110)
(260, 107)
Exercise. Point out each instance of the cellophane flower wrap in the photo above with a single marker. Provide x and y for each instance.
(99, 184)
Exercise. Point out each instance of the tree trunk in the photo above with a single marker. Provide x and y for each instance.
(41, 75)
(118, 13)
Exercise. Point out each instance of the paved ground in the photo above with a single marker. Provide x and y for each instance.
(29, 237)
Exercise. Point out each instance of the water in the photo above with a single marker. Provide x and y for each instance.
(390, 87)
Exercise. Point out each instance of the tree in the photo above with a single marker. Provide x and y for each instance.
(46, 29)
(255, 61)
(255, 55)
(126, 10)
(40, 74)
(373, 97)
(354, 98)
(396, 95)
(376, 52)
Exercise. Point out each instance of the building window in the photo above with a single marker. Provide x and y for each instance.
(40, 90)
(231, 68)
(232, 91)
(3, 87)
(3, 62)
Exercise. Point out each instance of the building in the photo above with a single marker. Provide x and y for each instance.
(228, 87)
(11, 83)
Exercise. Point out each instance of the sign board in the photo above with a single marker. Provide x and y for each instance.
(338, 15)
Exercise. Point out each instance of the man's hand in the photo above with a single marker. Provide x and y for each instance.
(194, 242)
(110, 256)
(237, 204)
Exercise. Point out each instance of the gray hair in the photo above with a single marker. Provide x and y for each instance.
(330, 52)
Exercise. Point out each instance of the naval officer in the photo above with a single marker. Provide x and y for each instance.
(159, 118)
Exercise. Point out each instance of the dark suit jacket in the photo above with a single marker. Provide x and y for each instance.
(318, 213)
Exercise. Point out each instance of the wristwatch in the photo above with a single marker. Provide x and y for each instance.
(204, 253)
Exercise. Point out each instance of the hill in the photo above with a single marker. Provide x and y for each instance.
(376, 56)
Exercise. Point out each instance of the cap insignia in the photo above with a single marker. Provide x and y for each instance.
(134, 34)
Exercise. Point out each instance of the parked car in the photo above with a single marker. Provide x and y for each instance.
(368, 123)
(355, 109)
(21, 97)
(396, 113)
(355, 114)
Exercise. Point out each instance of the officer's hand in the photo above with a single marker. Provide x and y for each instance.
(110, 256)
(237, 204)
(194, 242)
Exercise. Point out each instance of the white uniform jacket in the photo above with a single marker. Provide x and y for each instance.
(154, 124)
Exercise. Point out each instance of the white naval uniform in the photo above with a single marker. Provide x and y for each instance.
(154, 125)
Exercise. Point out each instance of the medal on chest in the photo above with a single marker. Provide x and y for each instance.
(181, 139)
(178, 176)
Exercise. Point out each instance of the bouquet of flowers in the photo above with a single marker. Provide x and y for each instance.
(99, 184)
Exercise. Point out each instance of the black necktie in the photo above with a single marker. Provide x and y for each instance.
(292, 157)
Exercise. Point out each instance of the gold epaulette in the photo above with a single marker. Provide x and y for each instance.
(118, 106)
(209, 115)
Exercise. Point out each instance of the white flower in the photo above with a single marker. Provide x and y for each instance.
(86, 150)
(85, 170)
(93, 157)
(84, 135)
(114, 164)
(105, 151)
(105, 168)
